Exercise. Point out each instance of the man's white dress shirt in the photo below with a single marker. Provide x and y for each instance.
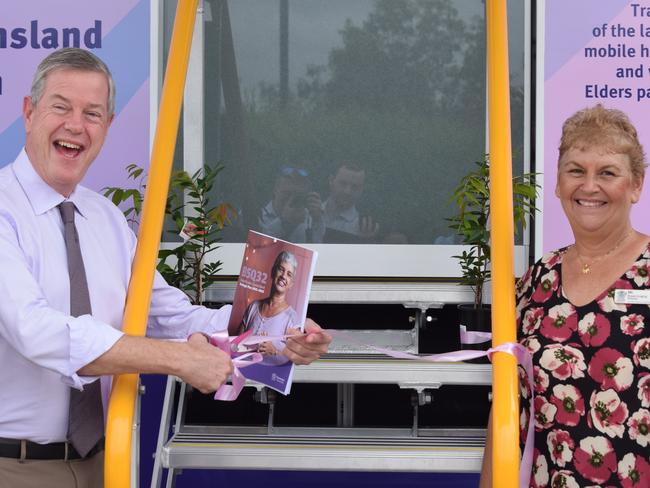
(41, 345)
(344, 221)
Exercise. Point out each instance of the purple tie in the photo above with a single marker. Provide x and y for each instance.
(86, 415)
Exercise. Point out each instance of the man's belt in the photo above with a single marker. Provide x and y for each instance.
(21, 449)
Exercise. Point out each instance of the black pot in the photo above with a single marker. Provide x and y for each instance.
(476, 320)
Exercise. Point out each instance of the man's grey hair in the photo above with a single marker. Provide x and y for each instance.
(75, 59)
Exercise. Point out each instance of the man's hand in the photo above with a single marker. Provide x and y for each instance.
(368, 228)
(315, 206)
(306, 348)
(204, 366)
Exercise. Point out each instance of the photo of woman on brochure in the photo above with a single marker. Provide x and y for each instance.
(273, 315)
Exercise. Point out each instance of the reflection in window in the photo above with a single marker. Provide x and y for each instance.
(349, 121)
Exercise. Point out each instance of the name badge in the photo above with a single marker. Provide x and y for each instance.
(632, 296)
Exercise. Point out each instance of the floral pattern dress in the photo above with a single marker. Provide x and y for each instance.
(591, 380)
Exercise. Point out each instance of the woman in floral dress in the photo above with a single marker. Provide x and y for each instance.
(584, 314)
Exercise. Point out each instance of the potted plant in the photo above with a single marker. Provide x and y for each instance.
(194, 217)
(471, 223)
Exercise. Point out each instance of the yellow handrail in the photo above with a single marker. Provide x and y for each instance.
(119, 429)
(505, 438)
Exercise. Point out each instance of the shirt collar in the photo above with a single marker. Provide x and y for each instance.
(42, 196)
(349, 214)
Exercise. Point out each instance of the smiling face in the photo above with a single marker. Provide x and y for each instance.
(597, 190)
(66, 128)
(283, 276)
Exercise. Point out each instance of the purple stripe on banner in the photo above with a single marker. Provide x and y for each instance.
(562, 37)
(126, 143)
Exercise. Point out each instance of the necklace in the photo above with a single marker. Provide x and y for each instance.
(586, 267)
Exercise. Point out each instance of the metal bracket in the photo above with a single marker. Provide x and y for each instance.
(419, 397)
(420, 387)
(423, 306)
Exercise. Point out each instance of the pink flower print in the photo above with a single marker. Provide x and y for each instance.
(539, 478)
(547, 285)
(522, 303)
(633, 471)
(532, 318)
(608, 413)
(544, 413)
(551, 259)
(541, 380)
(639, 426)
(563, 479)
(524, 388)
(560, 447)
(523, 423)
(563, 361)
(531, 343)
(641, 350)
(607, 303)
(632, 324)
(560, 322)
(595, 459)
(524, 282)
(640, 273)
(594, 329)
(644, 390)
(611, 369)
(570, 404)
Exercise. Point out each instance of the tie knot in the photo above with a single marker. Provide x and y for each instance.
(67, 212)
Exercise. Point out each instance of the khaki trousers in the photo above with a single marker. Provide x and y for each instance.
(34, 473)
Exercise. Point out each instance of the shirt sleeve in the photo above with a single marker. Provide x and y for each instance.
(172, 315)
(41, 334)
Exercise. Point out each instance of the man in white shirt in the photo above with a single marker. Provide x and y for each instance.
(340, 209)
(44, 350)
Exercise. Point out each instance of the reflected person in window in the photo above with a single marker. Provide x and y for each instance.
(295, 212)
(273, 315)
(341, 214)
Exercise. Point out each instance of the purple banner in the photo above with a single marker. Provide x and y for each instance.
(118, 32)
(594, 52)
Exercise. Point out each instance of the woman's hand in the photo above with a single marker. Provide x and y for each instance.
(267, 348)
(306, 348)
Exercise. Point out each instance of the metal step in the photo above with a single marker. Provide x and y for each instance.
(368, 452)
(375, 369)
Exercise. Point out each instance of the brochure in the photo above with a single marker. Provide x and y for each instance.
(271, 299)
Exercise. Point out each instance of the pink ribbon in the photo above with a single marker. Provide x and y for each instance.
(240, 360)
(473, 337)
(229, 345)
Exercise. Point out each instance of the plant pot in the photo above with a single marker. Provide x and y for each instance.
(476, 320)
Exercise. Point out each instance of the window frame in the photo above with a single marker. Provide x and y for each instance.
(370, 262)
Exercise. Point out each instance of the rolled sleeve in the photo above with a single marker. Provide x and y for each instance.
(89, 339)
(172, 315)
(35, 328)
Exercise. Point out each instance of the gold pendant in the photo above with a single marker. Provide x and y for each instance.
(586, 269)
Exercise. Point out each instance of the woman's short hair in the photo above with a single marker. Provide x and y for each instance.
(75, 59)
(607, 128)
(284, 257)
